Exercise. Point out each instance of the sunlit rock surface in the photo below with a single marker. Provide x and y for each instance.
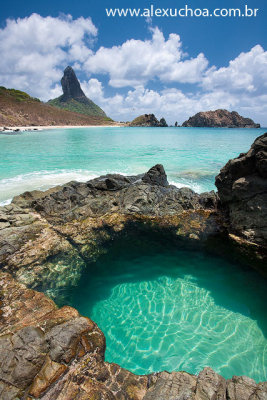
(54, 353)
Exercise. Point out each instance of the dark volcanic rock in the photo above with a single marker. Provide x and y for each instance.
(242, 189)
(42, 232)
(148, 120)
(220, 119)
(156, 176)
(71, 86)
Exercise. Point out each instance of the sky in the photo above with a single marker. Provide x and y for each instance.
(173, 67)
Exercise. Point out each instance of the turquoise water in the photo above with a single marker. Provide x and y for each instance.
(167, 309)
(191, 156)
(159, 308)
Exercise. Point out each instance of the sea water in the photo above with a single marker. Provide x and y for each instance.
(165, 308)
(192, 157)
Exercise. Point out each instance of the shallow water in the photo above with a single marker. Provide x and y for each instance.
(166, 309)
(191, 156)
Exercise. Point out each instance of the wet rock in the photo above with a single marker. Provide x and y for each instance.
(156, 176)
(22, 356)
(173, 386)
(210, 386)
(242, 190)
(243, 388)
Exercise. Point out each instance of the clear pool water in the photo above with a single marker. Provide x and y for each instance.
(162, 308)
(191, 156)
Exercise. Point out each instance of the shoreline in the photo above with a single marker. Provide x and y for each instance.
(47, 127)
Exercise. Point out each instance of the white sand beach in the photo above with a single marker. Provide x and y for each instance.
(46, 127)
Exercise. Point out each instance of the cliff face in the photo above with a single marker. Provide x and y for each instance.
(148, 120)
(242, 189)
(220, 119)
(71, 87)
(73, 98)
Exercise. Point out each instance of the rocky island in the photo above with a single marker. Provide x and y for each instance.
(219, 119)
(46, 240)
(148, 120)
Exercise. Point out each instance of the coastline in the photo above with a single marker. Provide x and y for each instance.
(7, 129)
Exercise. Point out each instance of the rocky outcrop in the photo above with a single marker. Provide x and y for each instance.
(242, 189)
(71, 87)
(220, 119)
(73, 98)
(45, 234)
(49, 353)
(148, 120)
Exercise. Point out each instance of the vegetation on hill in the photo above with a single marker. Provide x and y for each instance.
(88, 108)
(148, 120)
(17, 95)
(74, 99)
(19, 109)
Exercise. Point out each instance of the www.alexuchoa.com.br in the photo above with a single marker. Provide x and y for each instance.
(185, 11)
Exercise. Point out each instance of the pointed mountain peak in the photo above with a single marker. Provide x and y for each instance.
(73, 98)
(71, 86)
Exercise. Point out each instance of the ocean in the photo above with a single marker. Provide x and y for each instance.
(192, 157)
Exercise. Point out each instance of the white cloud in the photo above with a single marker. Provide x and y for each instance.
(34, 51)
(136, 62)
(172, 104)
(247, 73)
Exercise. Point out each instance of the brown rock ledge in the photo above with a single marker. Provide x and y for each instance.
(52, 353)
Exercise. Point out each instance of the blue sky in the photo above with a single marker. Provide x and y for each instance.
(173, 67)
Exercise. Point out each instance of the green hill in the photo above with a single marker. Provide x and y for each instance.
(74, 99)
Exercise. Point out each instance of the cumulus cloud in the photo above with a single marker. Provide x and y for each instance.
(136, 62)
(247, 72)
(35, 49)
(172, 104)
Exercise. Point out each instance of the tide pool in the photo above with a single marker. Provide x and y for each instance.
(164, 308)
(191, 156)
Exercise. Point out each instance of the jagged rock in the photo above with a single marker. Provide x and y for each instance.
(47, 235)
(156, 176)
(71, 86)
(220, 119)
(210, 386)
(242, 189)
(173, 386)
